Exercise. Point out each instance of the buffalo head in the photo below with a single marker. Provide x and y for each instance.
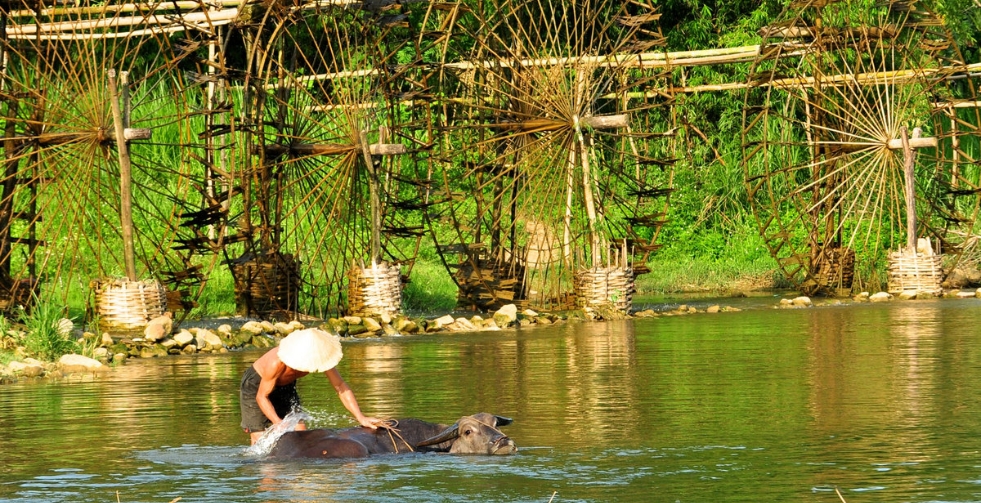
(476, 434)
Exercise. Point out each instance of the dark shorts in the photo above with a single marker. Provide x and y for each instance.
(284, 399)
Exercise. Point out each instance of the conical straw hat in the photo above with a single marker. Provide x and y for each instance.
(310, 350)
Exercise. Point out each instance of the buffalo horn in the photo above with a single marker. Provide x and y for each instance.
(503, 421)
(447, 434)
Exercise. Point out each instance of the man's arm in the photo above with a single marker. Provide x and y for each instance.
(266, 387)
(347, 398)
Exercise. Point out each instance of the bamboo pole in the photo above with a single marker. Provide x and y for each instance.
(908, 165)
(125, 178)
(375, 201)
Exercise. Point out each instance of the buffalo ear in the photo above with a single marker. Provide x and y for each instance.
(448, 434)
(503, 421)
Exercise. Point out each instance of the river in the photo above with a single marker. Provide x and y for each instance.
(880, 401)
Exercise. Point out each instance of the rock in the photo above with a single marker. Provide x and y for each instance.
(159, 327)
(297, 325)
(543, 320)
(923, 295)
(646, 313)
(183, 338)
(385, 318)
(337, 326)
(106, 340)
(371, 325)
(284, 329)
(802, 301)
(224, 329)
(169, 343)
(356, 329)
(190, 349)
(880, 297)
(490, 325)
(713, 309)
(252, 327)
(907, 295)
(862, 297)
(786, 302)
(400, 323)
(445, 320)
(352, 320)
(977, 293)
(26, 369)
(119, 357)
(506, 315)
(390, 330)
(464, 324)
(267, 327)
(530, 313)
(154, 351)
(206, 340)
(410, 327)
(79, 363)
(261, 341)
(65, 327)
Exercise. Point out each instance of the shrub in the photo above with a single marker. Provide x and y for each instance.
(44, 339)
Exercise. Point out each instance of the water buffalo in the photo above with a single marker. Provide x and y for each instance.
(476, 434)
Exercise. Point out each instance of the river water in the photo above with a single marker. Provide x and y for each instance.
(880, 401)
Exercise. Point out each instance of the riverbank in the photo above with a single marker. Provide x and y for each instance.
(160, 339)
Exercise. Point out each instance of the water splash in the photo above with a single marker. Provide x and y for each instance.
(269, 437)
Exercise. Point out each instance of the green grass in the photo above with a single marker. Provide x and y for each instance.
(43, 339)
(430, 289)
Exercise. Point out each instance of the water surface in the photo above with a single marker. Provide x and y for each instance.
(880, 401)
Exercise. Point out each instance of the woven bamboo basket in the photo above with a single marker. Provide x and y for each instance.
(128, 305)
(915, 271)
(834, 268)
(487, 285)
(610, 287)
(374, 290)
(267, 284)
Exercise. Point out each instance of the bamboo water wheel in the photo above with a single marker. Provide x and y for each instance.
(834, 94)
(89, 184)
(336, 166)
(549, 158)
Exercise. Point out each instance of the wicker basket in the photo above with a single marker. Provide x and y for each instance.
(375, 290)
(487, 285)
(266, 284)
(605, 287)
(834, 268)
(128, 305)
(915, 271)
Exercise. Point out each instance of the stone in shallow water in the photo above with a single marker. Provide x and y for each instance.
(79, 363)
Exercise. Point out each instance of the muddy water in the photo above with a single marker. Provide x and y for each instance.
(880, 401)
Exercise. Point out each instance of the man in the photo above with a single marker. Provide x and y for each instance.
(268, 389)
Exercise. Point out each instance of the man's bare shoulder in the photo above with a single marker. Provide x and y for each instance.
(269, 366)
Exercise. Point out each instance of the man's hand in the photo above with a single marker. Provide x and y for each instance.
(372, 422)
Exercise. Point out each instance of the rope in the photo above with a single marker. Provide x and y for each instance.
(391, 427)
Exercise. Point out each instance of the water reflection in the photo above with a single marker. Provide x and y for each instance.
(770, 405)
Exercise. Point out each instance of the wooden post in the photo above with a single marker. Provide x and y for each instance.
(125, 180)
(909, 158)
(375, 200)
